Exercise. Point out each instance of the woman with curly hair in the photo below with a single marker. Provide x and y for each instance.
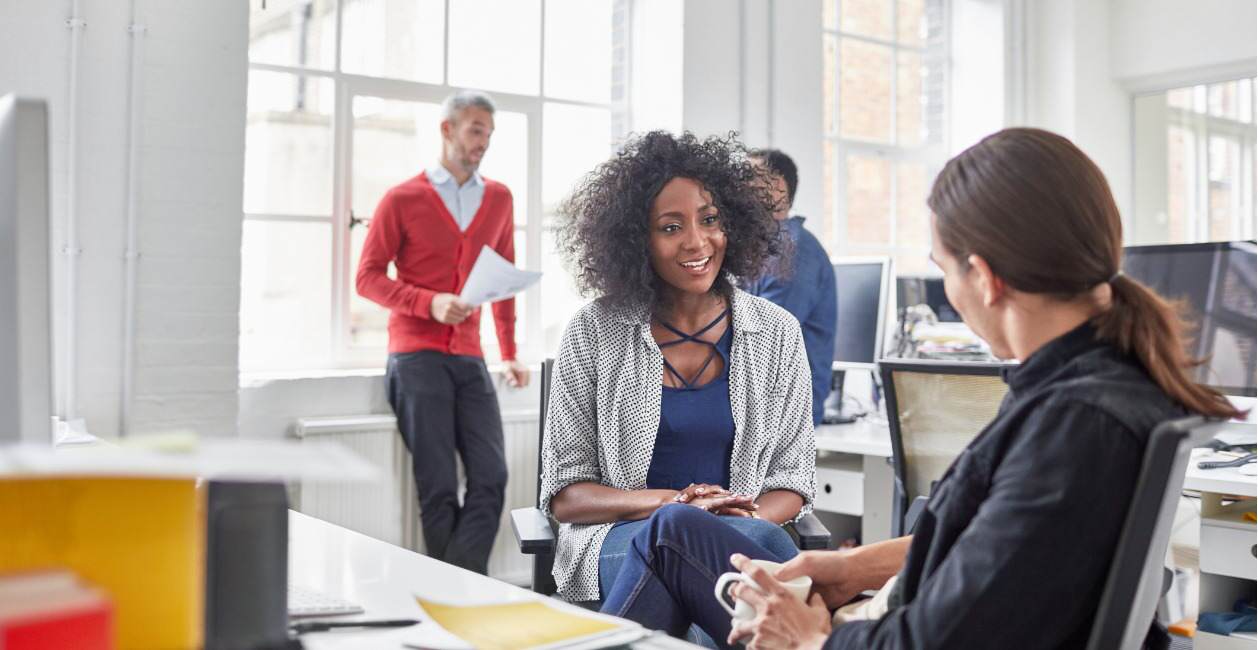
(673, 390)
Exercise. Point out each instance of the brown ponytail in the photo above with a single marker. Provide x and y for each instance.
(1040, 212)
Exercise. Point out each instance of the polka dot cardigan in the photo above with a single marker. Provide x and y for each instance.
(604, 413)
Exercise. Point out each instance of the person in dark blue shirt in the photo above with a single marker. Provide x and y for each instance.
(804, 285)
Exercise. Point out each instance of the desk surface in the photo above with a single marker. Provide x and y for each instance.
(1225, 480)
(865, 437)
(872, 438)
(383, 579)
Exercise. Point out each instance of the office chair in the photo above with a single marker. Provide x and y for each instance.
(1136, 577)
(934, 409)
(535, 532)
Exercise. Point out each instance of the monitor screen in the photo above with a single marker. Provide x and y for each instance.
(857, 337)
(25, 314)
(1215, 283)
(927, 291)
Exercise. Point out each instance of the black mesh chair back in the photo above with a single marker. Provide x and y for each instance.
(934, 409)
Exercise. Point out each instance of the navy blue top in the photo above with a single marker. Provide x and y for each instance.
(809, 295)
(696, 435)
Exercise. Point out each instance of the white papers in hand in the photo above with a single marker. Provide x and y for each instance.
(494, 278)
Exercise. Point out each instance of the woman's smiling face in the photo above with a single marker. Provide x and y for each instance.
(687, 244)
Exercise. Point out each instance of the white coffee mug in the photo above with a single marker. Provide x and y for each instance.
(743, 611)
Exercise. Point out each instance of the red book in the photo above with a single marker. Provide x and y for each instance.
(51, 611)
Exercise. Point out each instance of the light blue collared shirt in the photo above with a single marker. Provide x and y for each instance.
(462, 201)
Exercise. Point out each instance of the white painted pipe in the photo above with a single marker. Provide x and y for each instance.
(69, 375)
(132, 254)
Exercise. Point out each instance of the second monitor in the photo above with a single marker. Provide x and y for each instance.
(863, 285)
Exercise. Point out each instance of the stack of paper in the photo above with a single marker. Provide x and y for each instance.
(493, 278)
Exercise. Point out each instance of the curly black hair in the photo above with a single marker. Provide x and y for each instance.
(604, 231)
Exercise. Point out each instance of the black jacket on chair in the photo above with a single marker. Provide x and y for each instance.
(1014, 544)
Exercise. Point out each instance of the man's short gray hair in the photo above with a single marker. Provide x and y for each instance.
(454, 104)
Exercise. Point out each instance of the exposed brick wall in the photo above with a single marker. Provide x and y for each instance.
(190, 173)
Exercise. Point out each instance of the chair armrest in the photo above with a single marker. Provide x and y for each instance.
(532, 531)
(810, 533)
(915, 511)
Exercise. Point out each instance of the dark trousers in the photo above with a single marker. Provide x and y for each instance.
(446, 404)
(671, 567)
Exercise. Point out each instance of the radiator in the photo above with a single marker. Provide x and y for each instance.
(519, 430)
(389, 510)
(385, 509)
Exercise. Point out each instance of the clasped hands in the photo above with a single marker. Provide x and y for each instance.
(718, 500)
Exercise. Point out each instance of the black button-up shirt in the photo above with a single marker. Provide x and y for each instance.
(1013, 547)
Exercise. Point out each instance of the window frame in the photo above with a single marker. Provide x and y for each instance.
(347, 86)
(931, 155)
(1205, 126)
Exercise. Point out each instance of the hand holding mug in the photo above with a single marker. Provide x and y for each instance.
(772, 613)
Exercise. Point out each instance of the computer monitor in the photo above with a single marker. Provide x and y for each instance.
(1216, 284)
(863, 285)
(25, 319)
(925, 290)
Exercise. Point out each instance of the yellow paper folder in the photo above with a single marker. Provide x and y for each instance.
(513, 626)
(140, 540)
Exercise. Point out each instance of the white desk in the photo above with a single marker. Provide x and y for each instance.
(864, 437)
(383, 578)
(854, 474)
(1226, 480)
(1227, 551)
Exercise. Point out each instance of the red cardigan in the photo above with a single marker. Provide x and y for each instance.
(413, 229)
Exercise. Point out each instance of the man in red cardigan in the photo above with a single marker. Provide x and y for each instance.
(432, 228)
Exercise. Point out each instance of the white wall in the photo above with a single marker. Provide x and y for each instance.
(754, 66)
(1071, 89)
(977, 89)
(1157, 44)
(190, 175)
(1085, 59)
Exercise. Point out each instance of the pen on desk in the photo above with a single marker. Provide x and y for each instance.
(323, 626)
(1217, 464)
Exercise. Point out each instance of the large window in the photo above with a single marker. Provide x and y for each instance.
(344, 103)
(1194, 164)
(884, 79)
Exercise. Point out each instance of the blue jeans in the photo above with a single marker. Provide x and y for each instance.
(671, 564)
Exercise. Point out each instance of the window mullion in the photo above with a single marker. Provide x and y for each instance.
(895, 123)
(445, 40)
(340, 13)
(342, 157)
(541, 51)
(1201, 182)
(840, 146)
(535, 334)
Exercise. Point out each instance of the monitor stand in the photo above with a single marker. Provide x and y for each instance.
(833, 412)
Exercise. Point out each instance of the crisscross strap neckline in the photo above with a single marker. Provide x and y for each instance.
(690, 384)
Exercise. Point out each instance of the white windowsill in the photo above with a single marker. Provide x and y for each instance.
(256, 378)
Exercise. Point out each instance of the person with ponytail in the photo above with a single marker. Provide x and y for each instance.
(1014, 545)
